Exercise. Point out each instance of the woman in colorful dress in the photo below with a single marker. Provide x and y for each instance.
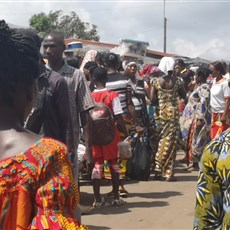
(195, 123)
(220, 100)
(37, 189)
(166, 90)
(213, 194)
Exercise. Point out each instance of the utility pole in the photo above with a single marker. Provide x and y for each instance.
(165, 26)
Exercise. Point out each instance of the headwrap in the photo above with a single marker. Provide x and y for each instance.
(166, 64)
(89, 56)
(194, 68)
(127, 63)
(148, 70)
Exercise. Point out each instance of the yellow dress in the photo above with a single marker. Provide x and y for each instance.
(167, 127)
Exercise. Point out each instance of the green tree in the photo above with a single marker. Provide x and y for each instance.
(41, 22)
(70, 25)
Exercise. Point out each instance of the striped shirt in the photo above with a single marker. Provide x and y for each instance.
(120, 84)
(138, 93)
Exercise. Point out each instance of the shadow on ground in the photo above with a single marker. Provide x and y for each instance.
(187, 178)
(156, 195)
(91, 227)
(127, 207)
(87, 200)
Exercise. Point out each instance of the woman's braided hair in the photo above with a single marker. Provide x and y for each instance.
(18, 62)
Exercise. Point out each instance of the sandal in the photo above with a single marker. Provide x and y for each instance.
(170, 179)
(123, 192)
(118, 202)
(193, 167)
(101, 204)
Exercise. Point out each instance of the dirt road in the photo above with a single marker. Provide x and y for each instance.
(153, 204)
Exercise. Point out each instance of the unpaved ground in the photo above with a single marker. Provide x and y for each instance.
(150, 205)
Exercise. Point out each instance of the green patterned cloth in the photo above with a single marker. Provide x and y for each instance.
(213, 189)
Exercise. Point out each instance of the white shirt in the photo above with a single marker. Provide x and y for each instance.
(117, 109)
(219, 92)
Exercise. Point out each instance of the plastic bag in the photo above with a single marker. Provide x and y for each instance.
(124, 149)
(138, 166)
(81, 156)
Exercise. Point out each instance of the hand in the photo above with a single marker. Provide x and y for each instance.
(89, 166)
(139, 130)
(198, 125)
(223, 118)
(181, 105)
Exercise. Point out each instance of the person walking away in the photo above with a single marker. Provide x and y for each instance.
(195, 121)
(109, 151)
(120, 83)
(166, 89)
(220, 100)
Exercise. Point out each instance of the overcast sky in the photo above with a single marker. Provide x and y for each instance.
(194, 28)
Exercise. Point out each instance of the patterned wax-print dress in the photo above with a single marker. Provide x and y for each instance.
(197, 109)
(213, 193)
(37, 189)
(167, 127)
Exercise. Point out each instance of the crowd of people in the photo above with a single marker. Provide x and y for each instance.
(45, 113)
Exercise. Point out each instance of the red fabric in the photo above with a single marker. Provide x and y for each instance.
(99, 96)
(189, 155)
(37, 188)
(181, 106)
(217, 126)
(106, 152)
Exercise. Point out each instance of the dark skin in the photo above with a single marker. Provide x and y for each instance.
(14, 139)
(115, 175)
(131, 110)
(119, 120)
(167, 83)
(131, 107)
(131, 72)
(130, 104)
(53, 46)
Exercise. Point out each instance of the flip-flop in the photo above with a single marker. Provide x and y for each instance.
(118, 202)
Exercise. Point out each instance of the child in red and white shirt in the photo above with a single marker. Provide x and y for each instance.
(107, 152)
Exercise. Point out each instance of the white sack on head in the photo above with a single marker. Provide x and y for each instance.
(166, 64)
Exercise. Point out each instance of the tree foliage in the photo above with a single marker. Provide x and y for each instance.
(70, 25)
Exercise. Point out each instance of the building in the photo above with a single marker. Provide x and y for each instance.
(151, 57)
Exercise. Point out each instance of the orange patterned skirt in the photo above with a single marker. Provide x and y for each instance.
(217, 125)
